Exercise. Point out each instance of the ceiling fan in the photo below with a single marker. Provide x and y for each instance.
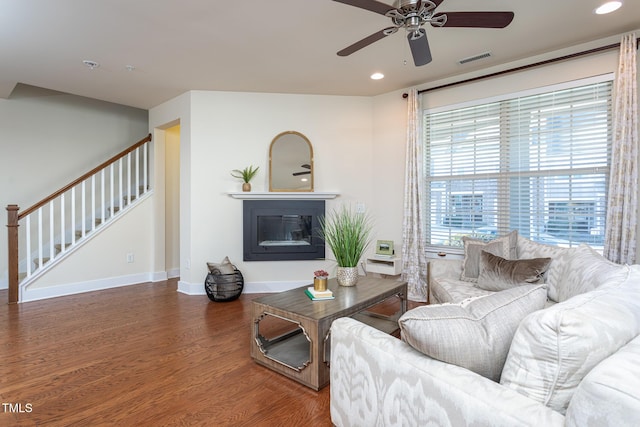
(412, 15)
(304, 166)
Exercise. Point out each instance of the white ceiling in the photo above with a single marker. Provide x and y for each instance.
(284, 46)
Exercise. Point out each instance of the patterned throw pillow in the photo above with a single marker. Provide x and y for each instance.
(528, 249)
(586, 270)
(474, 334)
(505, 246)
(498, 274)
(553, 349)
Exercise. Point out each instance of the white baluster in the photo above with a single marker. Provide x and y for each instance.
(111, 190)
(63, 240)
(84, 207)
(145, 168)
(137, 193)
(40, 237)
(73, 216)
(102, 198)
(28, 252)
(93, 202)
(129, 178)
(52, 252)
(121, 198)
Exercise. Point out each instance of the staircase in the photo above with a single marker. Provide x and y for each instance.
(47, 232)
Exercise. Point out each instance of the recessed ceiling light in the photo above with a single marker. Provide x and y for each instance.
(377, 76)
(608, 7)
(91, 64)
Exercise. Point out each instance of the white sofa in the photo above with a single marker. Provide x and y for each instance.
(572, 362)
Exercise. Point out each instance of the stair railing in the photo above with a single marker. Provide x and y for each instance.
(120, 180)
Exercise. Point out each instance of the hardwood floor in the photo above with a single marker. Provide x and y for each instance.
(142, 355)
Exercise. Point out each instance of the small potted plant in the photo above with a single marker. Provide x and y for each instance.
(320, 280)
(246, 175)
(348, 234)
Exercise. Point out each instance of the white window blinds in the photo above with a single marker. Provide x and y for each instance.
(537, 163)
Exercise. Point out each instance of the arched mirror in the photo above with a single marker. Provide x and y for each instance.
(290, 163)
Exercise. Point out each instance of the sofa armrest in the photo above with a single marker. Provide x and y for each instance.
(378, 380)
(608, 394)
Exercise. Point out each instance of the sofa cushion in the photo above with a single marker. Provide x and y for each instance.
(585, 270)
(474, 334)
(498, 274)
(559, 257)
(447, 290)
(608, 395)
(553, 349)
(504, 246)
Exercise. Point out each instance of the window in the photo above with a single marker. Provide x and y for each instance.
(537, 163)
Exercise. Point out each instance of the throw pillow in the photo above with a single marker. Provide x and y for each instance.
(586, 270)
(504, 246)
(498, 274)
(528, 249)
(553, 349)
(474, 334)
(225, 267)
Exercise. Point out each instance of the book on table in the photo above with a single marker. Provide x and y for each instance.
(318, 295)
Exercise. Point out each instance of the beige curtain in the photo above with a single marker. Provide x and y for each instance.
(414, 261)
(622, 209)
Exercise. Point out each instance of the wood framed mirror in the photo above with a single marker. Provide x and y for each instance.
(290, 162)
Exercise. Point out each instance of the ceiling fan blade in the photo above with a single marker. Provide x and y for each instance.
(419, 47)
(367, 41)
(371, 5)
(306, 166)
(477, 19)
(301, 173)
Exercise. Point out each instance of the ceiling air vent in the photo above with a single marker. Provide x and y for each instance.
(474, 57)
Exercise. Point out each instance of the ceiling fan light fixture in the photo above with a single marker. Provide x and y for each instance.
(608, 7)
(377, 76)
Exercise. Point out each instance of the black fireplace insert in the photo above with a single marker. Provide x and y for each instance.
(277, 230)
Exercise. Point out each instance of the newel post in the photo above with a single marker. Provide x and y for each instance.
(12, 234)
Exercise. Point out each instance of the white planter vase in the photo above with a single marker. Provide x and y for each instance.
(347, 276)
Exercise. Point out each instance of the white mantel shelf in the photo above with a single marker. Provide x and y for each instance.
(285, 195)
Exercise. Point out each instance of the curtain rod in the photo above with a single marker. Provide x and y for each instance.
(524, 67)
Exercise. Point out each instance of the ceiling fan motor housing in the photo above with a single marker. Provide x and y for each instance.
(412, 14)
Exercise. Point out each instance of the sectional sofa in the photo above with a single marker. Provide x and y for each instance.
(541, 336)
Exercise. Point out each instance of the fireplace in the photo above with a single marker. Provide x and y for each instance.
(278, 230)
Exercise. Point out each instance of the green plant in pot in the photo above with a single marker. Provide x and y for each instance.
(348, 234)
(246, 175)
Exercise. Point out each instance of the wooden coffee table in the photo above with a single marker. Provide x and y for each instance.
(291, 333)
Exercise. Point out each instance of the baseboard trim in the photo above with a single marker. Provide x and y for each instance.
(81, 287)
(172, 273)
(135, 279)
(159, 276)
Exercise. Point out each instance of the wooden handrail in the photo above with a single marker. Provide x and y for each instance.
(83, 177)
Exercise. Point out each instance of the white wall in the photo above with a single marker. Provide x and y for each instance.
(232, 130)
(50, 138)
